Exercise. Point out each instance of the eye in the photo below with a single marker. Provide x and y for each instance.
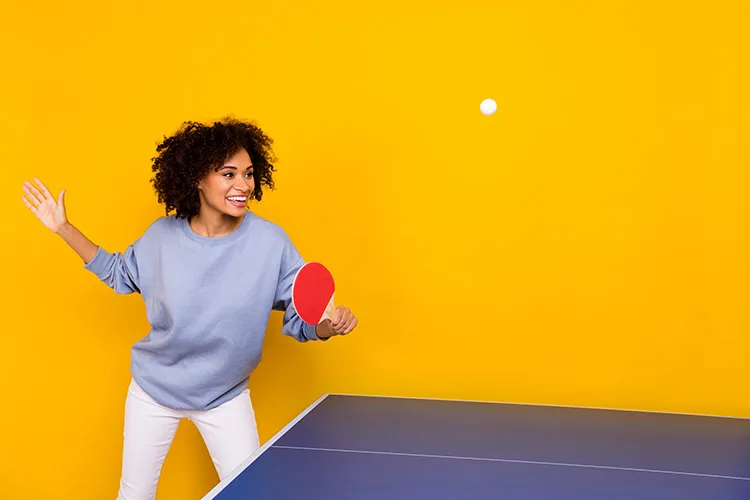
(230, 174)
(250, 174)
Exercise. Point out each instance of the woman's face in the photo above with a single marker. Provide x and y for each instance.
(227, 188)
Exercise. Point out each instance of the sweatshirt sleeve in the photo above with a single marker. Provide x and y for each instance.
(117, 270)
(291, 262)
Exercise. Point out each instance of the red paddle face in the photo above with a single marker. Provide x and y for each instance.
(312, 293)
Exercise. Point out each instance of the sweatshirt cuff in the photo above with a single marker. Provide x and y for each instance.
(99, 264)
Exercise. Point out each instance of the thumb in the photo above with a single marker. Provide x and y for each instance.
(61, 197)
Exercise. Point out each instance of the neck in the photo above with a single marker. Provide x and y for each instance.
(211, 224)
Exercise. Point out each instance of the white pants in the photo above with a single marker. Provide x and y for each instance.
(229, 431)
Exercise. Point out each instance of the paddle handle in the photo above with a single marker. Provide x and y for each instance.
(329, 312)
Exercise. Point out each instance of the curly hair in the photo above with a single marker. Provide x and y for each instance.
(187, 156)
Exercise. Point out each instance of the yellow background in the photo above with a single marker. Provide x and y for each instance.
(586, 245)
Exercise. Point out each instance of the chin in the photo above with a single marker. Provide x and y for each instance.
(233, 211)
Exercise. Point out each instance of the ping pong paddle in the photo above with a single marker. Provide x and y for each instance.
(312, 293)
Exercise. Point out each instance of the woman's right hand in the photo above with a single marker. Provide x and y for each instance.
(48, 210)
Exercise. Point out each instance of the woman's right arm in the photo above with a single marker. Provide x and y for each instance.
(78, 241)
(118, 270)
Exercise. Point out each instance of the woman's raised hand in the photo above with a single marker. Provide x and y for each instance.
(49, 210)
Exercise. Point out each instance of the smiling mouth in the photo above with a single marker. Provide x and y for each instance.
(237, 201)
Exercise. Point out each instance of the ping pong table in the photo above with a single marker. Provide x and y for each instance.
(374, 447)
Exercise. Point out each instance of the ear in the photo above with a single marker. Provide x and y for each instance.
(202, 181)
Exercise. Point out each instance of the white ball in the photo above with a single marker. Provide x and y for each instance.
(488, 107)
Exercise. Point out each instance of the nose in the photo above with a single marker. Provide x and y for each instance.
(244, 184)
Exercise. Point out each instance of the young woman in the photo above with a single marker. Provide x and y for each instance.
(210, 274)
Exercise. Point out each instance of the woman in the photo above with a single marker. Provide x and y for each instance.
(210, 275)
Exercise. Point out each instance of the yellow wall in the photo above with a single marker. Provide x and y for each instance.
(586, 245)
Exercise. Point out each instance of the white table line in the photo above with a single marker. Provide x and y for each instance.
(514, 461)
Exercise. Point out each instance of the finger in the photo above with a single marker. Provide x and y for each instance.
(61, 197)
(342, 314)
(346, 317)
(336, 317)
(31, 207)
(37, 192)
(44, 188)
(351, 326)
(346, 326)
(32, 196)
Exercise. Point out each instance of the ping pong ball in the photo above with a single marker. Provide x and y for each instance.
(488, 107)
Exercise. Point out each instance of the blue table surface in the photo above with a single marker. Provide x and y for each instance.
(362, 448)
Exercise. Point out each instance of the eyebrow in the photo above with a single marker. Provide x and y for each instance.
(233, 167)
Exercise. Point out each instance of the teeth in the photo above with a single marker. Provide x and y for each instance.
(236, 199)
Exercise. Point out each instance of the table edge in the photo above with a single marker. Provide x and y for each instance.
(244, 465)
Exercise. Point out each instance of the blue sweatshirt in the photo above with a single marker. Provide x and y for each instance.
(208, 302)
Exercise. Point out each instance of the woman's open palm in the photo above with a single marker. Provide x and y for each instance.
(50, 211)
